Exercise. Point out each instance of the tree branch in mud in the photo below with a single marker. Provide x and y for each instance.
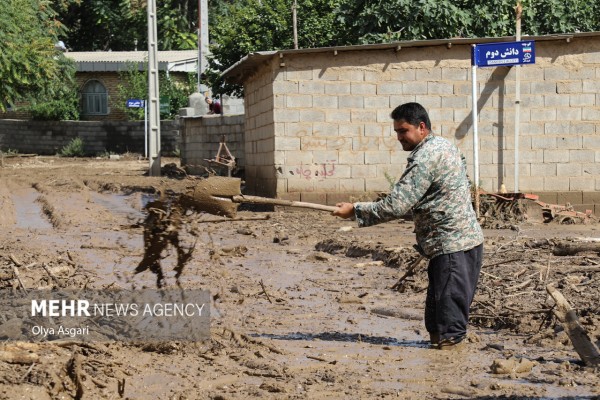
(409, 272)
(564, 248)
(264, 290)
(581, 342)
(76, 374)
(16, 272)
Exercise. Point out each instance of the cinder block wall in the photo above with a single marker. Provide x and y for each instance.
(262, 107)
(200, 138)
(333, 136)
(48, 137)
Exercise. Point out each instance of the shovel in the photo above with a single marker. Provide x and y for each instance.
(220, 195)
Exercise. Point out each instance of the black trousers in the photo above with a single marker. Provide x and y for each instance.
(452, 282)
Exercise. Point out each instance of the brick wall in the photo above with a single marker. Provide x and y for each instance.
(47, 137)
(331, 132)
(201, 136)
(111, 82)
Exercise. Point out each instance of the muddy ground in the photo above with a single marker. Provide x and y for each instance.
(302, 302)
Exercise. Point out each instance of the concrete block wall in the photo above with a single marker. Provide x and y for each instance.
(232, 105)
(49, 137)
(333, 135)
(560, 120)
(264, 116)
(201, 136)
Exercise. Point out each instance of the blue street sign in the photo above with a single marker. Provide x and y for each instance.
(503, 54)
(135, 103)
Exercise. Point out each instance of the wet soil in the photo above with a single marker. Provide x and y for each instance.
(302, 302)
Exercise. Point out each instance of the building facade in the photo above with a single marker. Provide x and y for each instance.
(318, 127)
(98, 78)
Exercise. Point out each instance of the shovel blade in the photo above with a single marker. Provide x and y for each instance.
(213, 195)
(221, 186)
(201, 201)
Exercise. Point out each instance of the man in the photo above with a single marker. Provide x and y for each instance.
(436, 188)
(214, 107)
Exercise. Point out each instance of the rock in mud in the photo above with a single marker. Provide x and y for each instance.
(512, 365)
(18, 357)
(320, 256)
(377, 263)
(396, 313)
(349, 299)
(11, 329)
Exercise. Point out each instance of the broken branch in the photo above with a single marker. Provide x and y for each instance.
(581, 342)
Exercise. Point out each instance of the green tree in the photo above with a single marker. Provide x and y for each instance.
(28, 58)
(243, 27)
(59, 100)
(366, 21)
(119, 24)
(104, 24)
(135, 86)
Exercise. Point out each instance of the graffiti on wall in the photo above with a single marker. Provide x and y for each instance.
(318, 172)
(353, 143)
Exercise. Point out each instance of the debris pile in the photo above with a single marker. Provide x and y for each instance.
(504, 211)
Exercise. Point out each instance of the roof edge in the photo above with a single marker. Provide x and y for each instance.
(248, 64)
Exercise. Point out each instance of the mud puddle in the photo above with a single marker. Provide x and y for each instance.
(28, 211)
(122, 205)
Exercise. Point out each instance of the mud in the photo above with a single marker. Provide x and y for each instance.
(302, 306)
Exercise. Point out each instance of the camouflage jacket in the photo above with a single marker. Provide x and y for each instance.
(435, 187)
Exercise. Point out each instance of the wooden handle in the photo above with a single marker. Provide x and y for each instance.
(280, 202)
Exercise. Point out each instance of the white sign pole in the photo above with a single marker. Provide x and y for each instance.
(475, 136)
(145, 128)
(517, 100)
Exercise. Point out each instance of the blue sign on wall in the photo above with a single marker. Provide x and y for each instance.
(135, 103)
(503, 54)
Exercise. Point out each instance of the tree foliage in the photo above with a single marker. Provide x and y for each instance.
(247, 26)
(121, 25)
(59, 100)
(135, 85)
(28, 58)
(367, 21)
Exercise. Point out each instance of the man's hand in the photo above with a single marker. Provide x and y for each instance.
(345, 210)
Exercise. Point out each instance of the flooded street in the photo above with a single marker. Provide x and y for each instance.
(301, 301)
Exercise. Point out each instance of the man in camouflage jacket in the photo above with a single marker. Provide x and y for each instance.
(436, 188)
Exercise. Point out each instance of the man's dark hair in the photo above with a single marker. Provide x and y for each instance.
(413, 113)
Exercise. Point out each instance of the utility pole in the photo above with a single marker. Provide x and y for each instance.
(202, 43)
(153, 95)
(295, 23)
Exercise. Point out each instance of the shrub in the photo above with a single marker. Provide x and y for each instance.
(73, 149)
(59, 101)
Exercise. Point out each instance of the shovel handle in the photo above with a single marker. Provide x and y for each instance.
(281, 202)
